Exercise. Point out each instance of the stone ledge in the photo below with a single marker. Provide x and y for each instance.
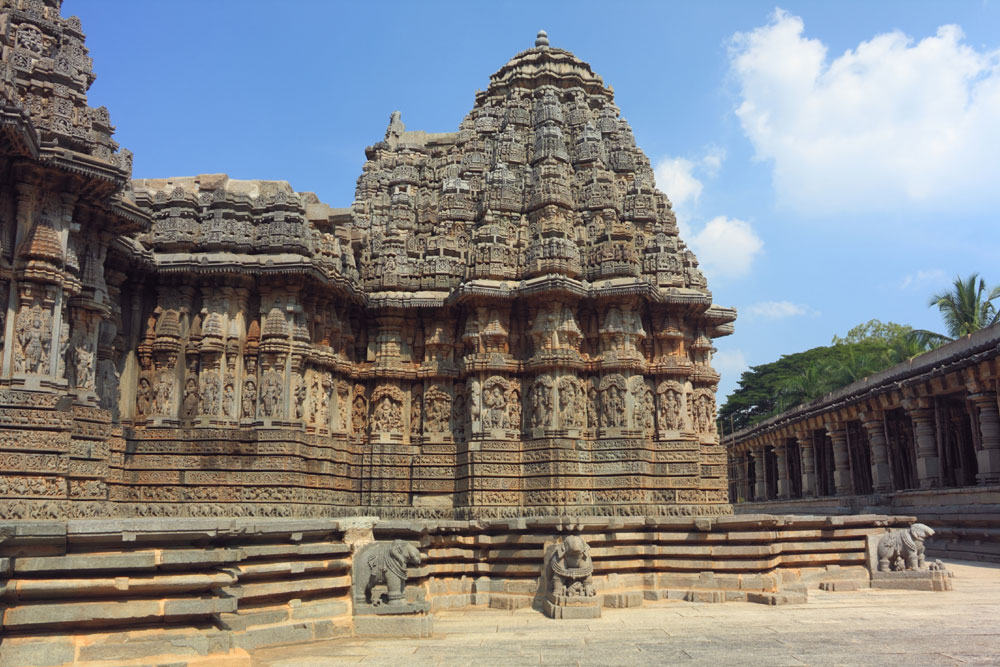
(410, 625)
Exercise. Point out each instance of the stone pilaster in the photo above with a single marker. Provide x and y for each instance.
(988, 457)
(781, 453)
(760, 475)
(875, 428)
(808, 463)
(925, 439)
(841, 461)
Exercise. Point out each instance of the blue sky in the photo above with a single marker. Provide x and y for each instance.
(829, 162)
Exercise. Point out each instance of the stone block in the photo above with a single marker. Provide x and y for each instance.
(39, 615)
(199, 606)
(134, 560)
(622, 600)
(287, 633)
(327, 629)
(913, 580)
(777, 598)
(241, 620)
(705, 596)
(842, 585)
(410, 625)
(139, 645)
(400, 608)
(575, 611)
(32, 652)
(321, 609)
(509, 602)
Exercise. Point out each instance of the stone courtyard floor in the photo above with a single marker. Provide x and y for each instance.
(871, 627)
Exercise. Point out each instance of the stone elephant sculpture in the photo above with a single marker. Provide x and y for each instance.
(903, 549)
(570, 569)
(383, 563)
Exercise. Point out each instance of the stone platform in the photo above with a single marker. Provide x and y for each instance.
(864, 627)
(207, 589)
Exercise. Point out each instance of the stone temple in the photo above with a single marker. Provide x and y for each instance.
(505, 321)
(232, 416)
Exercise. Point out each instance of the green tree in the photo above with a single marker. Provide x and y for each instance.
(966, 307)
(769, 389)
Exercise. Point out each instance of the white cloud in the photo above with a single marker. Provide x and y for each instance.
(726, 247)
(776, 310)
(922, 279)
(730, 364)
(675, 177)
(892, 122)
(712, 161)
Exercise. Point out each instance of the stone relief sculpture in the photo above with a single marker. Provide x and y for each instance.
(438, 410)
(189, 403)
(228, 400)
(299, 392)
(387, 410)
(416, 411)
(85, 365)
(270, 394)
(903, 548)
(210, 394)
(343, 405)
(514, 406)
(359, 410)
(613, 392)
(540, 398)
(459, 417)
(495, 414)
(669, 409)
(572, 406)
(144, 398)
(33, 331)
(163, 394)
(643, 414)
(248, 401)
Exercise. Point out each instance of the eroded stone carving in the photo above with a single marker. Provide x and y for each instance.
(903, 548)
(387, 410)
(569, 573)
(613, 393)
(383, 564)
(495, 415)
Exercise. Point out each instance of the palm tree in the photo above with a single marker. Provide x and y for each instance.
(966, 308)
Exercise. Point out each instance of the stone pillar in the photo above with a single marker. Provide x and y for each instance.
(807, 464)
(988, 458)
(928, 463)
(760, 486)
(881, 475)
(781, 453)
(841, 461)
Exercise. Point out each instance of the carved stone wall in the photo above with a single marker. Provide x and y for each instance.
(504, 323)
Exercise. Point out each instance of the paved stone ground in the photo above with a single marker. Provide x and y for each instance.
(863, 627)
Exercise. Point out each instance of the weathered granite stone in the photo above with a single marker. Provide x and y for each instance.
(903, 549)
(569, 581)
(383, 564)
